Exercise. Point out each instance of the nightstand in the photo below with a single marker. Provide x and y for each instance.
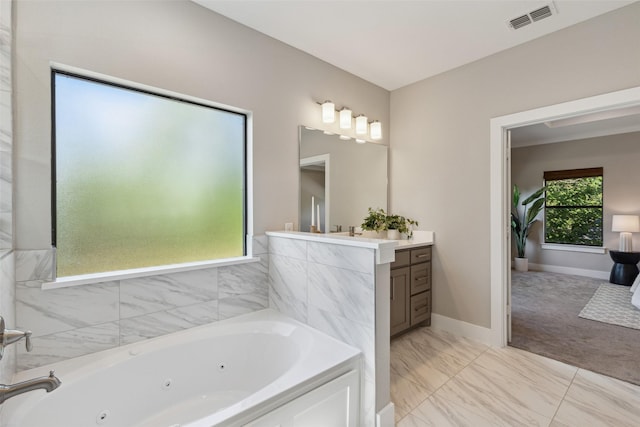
(625, 267)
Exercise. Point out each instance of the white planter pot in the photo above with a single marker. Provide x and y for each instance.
(374, 234)
(393, 235)
(521, 264)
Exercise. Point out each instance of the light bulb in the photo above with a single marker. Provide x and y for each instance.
(361, 124)
(376, 130)
(328, 112)
(345, 118)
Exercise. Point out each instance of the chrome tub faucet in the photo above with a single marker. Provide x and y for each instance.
(48, 384)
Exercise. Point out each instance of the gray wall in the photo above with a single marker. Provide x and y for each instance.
(440, 132)
(182, 47)
(440, 140)
(619, 155)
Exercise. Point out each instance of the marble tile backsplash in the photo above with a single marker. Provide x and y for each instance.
(7, 256)
(7, 310)
(330, 287)
(78, 320)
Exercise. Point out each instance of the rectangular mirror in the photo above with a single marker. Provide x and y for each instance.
(341, 179)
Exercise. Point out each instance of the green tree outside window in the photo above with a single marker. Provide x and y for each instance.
(573, 209)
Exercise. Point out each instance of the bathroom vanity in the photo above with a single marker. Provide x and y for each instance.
(410, 285)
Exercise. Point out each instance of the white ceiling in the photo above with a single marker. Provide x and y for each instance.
(393, 43)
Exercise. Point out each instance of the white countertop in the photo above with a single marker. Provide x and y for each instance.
(420, 238)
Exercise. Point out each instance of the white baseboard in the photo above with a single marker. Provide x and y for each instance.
(462, 328)
(386, 416)
(596, 274)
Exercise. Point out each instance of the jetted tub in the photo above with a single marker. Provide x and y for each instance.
(259, 366)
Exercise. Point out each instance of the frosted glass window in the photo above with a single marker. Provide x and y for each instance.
(141, 179)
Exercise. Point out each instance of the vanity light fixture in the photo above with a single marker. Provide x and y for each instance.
(345, 137)
(361, 124)
(345, 118)
(376, 130)
(328, 112)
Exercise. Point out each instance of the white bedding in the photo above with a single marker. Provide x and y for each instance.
(635, 288)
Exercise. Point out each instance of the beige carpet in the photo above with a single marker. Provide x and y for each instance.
(545, 321)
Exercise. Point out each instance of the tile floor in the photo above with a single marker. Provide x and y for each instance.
(438, 379)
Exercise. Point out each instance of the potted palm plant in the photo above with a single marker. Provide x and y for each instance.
(521, 222)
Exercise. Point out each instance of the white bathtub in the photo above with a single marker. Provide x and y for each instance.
(227, 373)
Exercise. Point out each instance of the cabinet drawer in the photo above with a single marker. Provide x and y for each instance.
(402, 259)
(420, 255)
(420, 307)
(420, 277)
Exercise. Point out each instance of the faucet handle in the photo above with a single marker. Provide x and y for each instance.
(9, 336)
(27, 339)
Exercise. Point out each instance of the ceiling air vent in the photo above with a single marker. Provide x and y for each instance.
(533, 16)
(538, 14)
(520, 22)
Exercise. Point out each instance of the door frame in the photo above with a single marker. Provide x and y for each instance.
(500, 191)
(321, 160)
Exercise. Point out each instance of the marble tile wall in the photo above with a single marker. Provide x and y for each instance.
(6, 128)
(330, 287)
(7, 310)
(7, 365)
(78, 320)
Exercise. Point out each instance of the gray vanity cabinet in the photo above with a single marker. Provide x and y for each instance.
(410, 289)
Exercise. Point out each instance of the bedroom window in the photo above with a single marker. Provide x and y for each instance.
(143, 179)
(573, 207)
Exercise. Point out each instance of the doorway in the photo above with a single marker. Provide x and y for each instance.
(315, 195)
(500, 190)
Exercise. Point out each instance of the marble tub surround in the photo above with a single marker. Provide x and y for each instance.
(7, 255)
(6, 127)
(74, 321)
(7, 311)
(332, 283)
(439, 379)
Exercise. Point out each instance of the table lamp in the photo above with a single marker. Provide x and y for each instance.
(625, 225)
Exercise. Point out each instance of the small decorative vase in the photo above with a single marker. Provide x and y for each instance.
(371, 234)
(521, 264)
(393, 235)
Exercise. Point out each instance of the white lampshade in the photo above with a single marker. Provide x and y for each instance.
(345, 118)
(626, 223)
(376, 130)
(328, 112)
(362, 123)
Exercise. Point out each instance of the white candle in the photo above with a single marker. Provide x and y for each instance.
(318, 217)
(313, 211)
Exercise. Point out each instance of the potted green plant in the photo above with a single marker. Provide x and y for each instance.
(375, 223)
(397, 225)
(521, 222)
